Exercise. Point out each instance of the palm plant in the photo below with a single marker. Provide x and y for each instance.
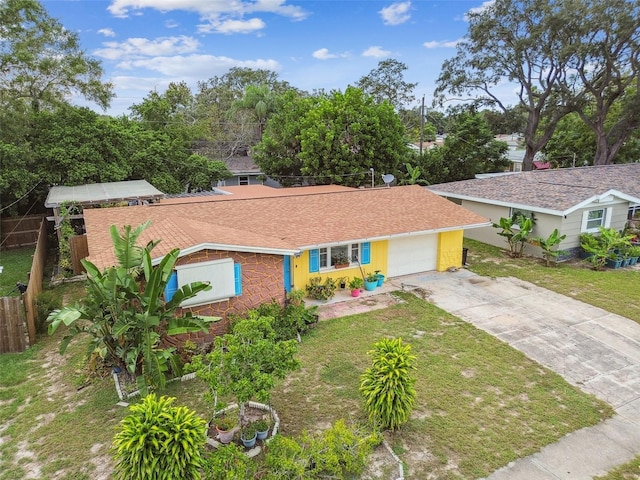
(387, 386)
(548, 244)
(124, 311)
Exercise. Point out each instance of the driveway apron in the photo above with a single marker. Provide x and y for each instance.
(595, 350)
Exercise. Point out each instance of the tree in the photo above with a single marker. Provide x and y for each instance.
(246, 362)
(231, 131)
(41, 62)
(604, 72)
(386, 82)
(260, 101)
(332, 139)
(470, 148)
(348, 134)
(125, 314)
(278, 151)
(521, 41)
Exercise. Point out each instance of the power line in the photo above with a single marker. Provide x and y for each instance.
(12, 204)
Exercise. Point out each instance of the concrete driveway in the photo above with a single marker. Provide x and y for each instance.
(595, 350)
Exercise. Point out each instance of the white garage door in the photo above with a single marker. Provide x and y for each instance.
(415, 254)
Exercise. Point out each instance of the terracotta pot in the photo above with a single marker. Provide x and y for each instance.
(225, 436)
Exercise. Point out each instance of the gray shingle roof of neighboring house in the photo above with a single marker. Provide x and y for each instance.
(242, 165)
(558, 191)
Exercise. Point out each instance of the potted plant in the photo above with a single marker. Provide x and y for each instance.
(319, 290)
(380, 277)
(370, 281)
(356, 284)
(340, 260)
(225, 426)
(262, 428)
(249, 435)
(634, 255)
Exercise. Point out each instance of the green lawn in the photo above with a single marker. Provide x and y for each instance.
(480, 403)
(16, 265)
(613, 290)
(628, 471)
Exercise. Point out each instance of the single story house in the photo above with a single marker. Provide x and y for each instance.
(573, 200)
(245, 171)
(256, 243)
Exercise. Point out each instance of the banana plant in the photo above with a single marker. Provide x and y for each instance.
(548, 245)
(125, 314)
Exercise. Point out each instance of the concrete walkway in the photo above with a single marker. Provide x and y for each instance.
(595, 350)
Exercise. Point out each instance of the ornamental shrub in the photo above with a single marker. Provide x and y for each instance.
(387, 386)
(229, 462)
(159, 441)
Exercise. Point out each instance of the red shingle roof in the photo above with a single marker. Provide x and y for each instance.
(295, 219)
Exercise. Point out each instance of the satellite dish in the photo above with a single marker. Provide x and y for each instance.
(387, 178)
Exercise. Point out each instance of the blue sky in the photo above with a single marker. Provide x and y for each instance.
(145, 44)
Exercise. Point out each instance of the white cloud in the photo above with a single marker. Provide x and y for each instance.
(233, 26)
(143, 47)
(107, 32)
(219, 16)
(171, 24)
(376, 51)
(197, 66)
(324, 54)
(485, 5)
(396, 13)
(441, 44)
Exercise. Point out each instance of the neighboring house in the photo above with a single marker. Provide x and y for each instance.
(256, 243)
(573, 200)
(245, 172)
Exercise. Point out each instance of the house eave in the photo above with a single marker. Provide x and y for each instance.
(232, 248)
(396, 235)
(500, 203)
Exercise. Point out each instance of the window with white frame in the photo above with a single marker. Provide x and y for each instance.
(595, 219)
(328, 257)
(243, 180)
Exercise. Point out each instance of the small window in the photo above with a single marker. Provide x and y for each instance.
(595, 219)
(244, 180)
(329, 257)
(355, 252)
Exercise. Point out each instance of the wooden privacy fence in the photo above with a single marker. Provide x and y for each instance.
(16, 334)
(79, 250)
(20, 232)
(13, 334)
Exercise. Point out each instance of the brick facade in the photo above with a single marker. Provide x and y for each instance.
(262, 282)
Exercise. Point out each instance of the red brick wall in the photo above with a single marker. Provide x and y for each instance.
(262, 281)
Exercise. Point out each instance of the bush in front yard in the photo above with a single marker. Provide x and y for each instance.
(159, 441)
(387, 386)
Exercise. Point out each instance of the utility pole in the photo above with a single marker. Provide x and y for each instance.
(421, 124)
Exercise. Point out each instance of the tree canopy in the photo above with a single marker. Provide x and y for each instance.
(334, 138)
(560, 54)
(41, 62)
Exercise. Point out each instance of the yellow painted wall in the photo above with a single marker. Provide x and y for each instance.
(379, 256)
(449, 250)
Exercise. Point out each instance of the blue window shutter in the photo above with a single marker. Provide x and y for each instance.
(366, 253)
(237, 277)
(314, 261)
(171, 287)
